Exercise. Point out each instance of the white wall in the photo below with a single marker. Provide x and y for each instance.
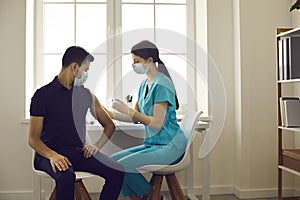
(255, 94)
(242, 44)
(15, 167)
(220, 49)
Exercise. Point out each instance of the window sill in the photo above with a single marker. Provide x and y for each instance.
(120, 126)
(124, 126)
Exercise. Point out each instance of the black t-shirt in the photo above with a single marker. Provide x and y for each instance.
(64, 113)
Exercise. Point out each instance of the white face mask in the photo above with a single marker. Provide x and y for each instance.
(139, 68)
(80, 81)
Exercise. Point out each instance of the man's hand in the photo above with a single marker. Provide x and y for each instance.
(89, 150)
(59, 162)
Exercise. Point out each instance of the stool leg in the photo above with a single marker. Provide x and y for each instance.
(157, 182)
(145, 197)
(174, 187)
(52, 196)
(81, 192)
(171, 187)
(152, 182)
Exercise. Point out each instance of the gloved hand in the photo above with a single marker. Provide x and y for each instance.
(120, 106)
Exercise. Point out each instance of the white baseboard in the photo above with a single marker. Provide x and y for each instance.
(28, 195)
(214, 190)
(246, 194)
(258, 193)
(264, 193)
(16, 195)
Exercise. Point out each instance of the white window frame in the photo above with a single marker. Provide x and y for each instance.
(196, 30)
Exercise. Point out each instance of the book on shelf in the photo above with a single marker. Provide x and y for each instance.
(290, 111)
(288, 58)
(294, 58)
(280, 60)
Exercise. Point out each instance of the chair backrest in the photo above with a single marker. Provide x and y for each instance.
(188, 124)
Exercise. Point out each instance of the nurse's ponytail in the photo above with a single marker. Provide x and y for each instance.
(146, 49)
(162, 68)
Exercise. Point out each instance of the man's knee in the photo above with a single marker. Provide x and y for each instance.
(67, 176)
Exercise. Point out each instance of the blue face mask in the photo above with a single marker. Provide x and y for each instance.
(139, 68)
(80, 81)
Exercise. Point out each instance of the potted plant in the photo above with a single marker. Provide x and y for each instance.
(295, 6)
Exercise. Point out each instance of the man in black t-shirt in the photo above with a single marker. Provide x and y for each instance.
(57, 129)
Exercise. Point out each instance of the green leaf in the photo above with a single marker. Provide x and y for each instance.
(295, 6)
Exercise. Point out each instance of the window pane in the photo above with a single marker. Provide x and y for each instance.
(88, 1)
(59, 1)
(126, 63)
(97, 77)
(132, 21)
(131, 80)
(80, 1)
(59, 27)
(173, 18)
(137, 17)
(177, 67)
(91, 27)
(137, 1)
(170, 1)
(52, 66)
(96, 82)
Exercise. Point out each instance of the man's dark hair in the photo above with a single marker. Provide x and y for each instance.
(76, 54)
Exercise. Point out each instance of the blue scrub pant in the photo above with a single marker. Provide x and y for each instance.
(133, 158)
(100, 165)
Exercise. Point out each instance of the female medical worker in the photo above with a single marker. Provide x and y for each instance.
(164, 141)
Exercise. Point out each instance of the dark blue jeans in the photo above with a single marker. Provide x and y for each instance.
(99, 164)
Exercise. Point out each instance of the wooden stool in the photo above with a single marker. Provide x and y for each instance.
(80, 193)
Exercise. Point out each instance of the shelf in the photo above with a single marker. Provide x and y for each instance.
(289, 159)
(289, 129)
(290, 33)
(289, 81)
(289, 170)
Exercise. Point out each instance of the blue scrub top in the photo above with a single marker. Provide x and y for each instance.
(161, 90)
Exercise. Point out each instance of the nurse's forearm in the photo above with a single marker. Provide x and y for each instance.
(146, 120)
(121, 117)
